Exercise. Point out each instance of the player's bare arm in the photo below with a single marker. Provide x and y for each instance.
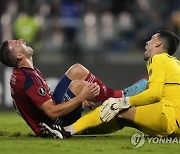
(86, 91)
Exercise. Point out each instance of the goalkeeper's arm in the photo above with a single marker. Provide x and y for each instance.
(152, 95)
(112, 106)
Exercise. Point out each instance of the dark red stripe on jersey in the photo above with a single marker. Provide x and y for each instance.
(31, 78)
(28, 80)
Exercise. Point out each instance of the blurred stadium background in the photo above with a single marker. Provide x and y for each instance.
(107, 36)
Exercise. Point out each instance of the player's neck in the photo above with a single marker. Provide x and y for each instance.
(157, 51)
(26, 63)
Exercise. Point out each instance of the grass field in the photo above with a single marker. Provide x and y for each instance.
(17, 138)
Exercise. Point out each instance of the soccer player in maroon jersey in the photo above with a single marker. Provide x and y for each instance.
(31, 95)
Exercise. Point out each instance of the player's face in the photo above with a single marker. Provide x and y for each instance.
(19, 46)
(150, 46)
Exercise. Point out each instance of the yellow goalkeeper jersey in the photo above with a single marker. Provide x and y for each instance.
(164, 82)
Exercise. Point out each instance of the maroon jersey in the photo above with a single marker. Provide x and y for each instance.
(29, 91)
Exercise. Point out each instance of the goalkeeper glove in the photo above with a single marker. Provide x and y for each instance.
(112, 106)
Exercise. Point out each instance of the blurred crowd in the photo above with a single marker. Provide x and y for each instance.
(74, 28)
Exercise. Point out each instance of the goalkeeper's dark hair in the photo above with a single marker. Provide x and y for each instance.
(171, 41)
(6, 55)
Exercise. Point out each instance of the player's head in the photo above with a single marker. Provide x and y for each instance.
(162, 41)
(170, 41)
(13, 51)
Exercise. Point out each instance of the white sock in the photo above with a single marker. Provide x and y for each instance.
(70, 129)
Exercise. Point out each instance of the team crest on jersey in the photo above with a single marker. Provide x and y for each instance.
(42, 91)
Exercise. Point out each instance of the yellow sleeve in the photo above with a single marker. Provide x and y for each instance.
(156, 71)
(151, 95)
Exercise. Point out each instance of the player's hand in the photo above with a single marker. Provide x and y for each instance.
(90, 91)
(112, 106)
(88, 104)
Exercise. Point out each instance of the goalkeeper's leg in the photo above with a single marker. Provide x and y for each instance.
(91, 119)
(150, 119)
(92, 124)
(153, 119)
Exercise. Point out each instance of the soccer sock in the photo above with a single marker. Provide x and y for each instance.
(91, 119)
(105, 92)
(61, 89)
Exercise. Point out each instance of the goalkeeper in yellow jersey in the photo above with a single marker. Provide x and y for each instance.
(156, 111)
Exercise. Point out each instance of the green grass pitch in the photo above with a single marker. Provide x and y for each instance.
(17, 138)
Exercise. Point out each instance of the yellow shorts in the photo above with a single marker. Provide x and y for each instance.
(156, 119)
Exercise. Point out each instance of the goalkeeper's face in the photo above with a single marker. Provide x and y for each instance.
(151, 47)
(147, 53)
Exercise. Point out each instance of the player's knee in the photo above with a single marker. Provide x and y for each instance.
(77, 71)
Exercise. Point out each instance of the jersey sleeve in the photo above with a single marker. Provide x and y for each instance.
(38, 94)
(156, 71)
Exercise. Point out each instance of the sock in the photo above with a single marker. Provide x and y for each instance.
(70, 129)
(61, 89)
(105, 92)
(91, 119)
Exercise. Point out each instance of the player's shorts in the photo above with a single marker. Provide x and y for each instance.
(156, 119)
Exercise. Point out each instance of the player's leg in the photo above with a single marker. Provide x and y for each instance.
(152, 119)
(61, 88)
(91, 119)
(114, 125)
(136, 88)
(74, 89)
(148, 119)
(92, 124)
(79, 72)
(106, 92)
(62, 93)
(75, 72)
(104, 128)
